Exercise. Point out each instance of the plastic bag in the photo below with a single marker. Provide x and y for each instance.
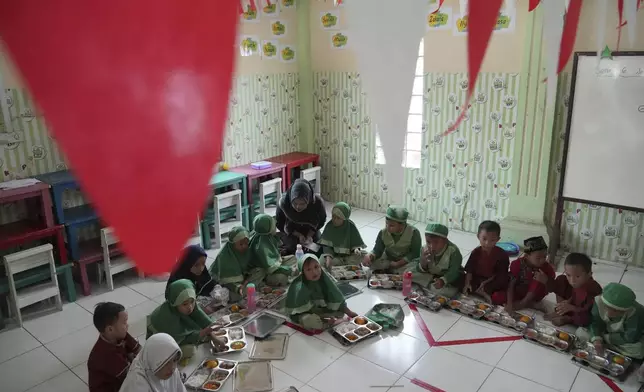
(220, 295)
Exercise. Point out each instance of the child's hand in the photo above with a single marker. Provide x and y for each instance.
(509, 307)
(219, 344)
(207, 331)
(599, 347)
(366, 260)
(439, 284)
(564, 307)
(398, 264)
(350, 313)
(541, 277)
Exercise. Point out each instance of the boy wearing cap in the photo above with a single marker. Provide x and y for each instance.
(439, 266)
(396, 245)
(617, 322)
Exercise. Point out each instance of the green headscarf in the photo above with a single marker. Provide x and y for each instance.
(304, 295)
(230, 266)
(397, 213)
(343, 238)
(437, 229)
(265, 245)
(167, 319)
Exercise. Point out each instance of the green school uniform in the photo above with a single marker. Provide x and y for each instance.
(264, 246)
(309, 302)
(184, 329)
(340, 242)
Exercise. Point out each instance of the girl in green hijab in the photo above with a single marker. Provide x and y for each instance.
(313, 300)
(264, 246)
(341, 239)
(182, 318)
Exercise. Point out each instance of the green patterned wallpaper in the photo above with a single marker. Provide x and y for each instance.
(464, 177)
(602, 233)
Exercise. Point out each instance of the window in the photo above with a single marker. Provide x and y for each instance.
(414, 134)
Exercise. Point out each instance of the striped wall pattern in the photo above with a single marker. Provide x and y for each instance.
(464, 177)
(602, 233)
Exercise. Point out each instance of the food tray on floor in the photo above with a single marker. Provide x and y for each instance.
(263, 325)
(549, 336)
(385, 281)
(229, 315)
(348, 290)
(268, 296)
(469, 306)
(210, 375)
(427, 300)
(517, 321)
(347, 272)
(611, 364)
(357, 329)
(233, 338)
(256, 376)
(270, 348)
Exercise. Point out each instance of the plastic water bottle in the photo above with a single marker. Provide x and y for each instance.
(299, 252)
(406, 286)
(250, 298)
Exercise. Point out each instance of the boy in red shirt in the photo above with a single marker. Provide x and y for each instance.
(114, 350)
(529, 275)
(487, 266)
(576, 291)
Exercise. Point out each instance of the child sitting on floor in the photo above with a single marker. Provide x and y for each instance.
(341, 240)
(114, 350)
(396, 245)
(439, 266)
(576, 291)
(192, 266)
(181, 317)
(313, 300)
(529, 275)
(487, 267)
(264, 246)
(617, 322)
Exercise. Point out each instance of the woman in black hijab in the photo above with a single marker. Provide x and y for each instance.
(300, 216)
(192, 266)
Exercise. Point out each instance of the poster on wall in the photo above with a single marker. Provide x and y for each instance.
(441, 20)
(287, 53)
(339, 40)
(269, 49)
(271, 11)
(505, 23)
(250, 15)
(330, 20)
(278, 28)
(248, 45)
(287, 4)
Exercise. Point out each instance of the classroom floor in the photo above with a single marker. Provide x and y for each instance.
(50, 352)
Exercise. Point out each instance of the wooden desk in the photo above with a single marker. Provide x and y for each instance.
(293, 160)
(252, 174)
(226, 178)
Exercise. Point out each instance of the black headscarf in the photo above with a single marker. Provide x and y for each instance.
(313, 216)
(203, 283)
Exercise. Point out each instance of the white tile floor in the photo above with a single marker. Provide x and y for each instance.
(50, 352)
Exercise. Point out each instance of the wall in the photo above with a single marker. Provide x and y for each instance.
(464, 177)
(584, 227)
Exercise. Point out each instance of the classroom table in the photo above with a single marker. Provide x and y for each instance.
(226, 178)
(28, 188)
(293, 160)
(252, 174)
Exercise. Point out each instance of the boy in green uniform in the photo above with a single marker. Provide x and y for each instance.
(617, 322)
(396, 245)
(439, 266)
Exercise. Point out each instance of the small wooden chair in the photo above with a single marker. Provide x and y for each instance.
(29, 259)
(313, 175)
(231, 200)
(267, 188)
(112, 264)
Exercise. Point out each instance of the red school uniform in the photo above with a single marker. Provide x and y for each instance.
(108, 363)
(582, 297)
(523, 274)
(483, 265)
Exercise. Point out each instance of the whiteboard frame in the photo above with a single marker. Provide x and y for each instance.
(561, 199)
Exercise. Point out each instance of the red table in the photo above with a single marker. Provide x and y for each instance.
(27, 189)
(252, 174)
(293, 160)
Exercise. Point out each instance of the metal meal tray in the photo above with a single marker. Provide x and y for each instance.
(517, 320)
(263, 325)
(357, 329)
(427, 300)
(385, 281)
(549, 336)
(256, 376)
(473, 309)
(273, 347)
(348, 290)
(611, 364)
(347, 272)
(268, 296)
(235, 340)
(210, 370)
(229, 315)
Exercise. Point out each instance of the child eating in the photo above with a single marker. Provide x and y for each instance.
(341, 239)
(313, 300)
(396, 245)
(439, 266)
(576, 291)
(114, 350)
(617, 322)
(182, 318)
(487, 266)
(231, 268)
(264, 246)
(529, 275)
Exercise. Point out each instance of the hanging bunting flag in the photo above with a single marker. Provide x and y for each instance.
(620, 11)
(387, 62)
(484, 15)
(463, 7)
(569, 34)
(532, 5)
(137, 103)
(510, 7)
(438, 8)
(630, 19)
(601, 10)
(553, 20)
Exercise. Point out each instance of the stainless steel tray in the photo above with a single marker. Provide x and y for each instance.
(234, 338)
(611, 364)
(357, 329)
(210, 370)
(263, 325)
(549, 336)
(273, 347)
(385, 281)
(253, 377)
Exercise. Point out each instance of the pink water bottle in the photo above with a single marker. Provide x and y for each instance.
(250, 298)
(406, 284)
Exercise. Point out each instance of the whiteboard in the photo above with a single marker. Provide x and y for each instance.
(605, 160)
